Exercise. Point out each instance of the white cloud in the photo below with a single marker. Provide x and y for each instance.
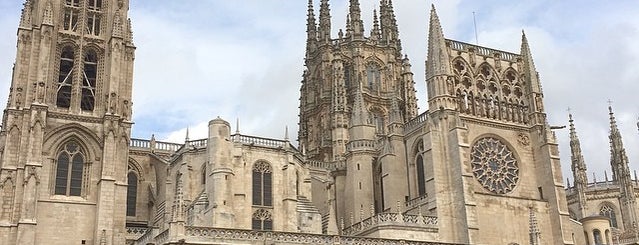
(244, 59)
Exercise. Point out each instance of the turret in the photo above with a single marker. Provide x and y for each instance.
(578, 166)
(220, 173)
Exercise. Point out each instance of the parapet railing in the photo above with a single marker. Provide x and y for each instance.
(154, 145)
(415, 122)
(336, 165)
(391, 218)
(483, 51)
(226, 235)
(259, 141)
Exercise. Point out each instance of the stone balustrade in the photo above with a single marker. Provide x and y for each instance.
(213, 235)
(482, 51)
(382, 219)
(415, 123)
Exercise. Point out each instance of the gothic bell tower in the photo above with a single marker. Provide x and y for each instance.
(66, 126)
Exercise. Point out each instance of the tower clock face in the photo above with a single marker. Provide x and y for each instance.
(494, 165)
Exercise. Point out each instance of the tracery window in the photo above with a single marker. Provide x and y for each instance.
(131, 193)
(348, 73)
(607, 211)
(69, 170)
(373, 76)
(94, 4)
(262, 220)
(494, 165)
(90, 74)
(71, 15)
(262, 188)
(65, 77)
(93, 24)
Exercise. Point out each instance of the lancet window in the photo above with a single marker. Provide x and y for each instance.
(373, 76)
(71, 15)
(89, 79)
(131, 193)
(65, 77)
(70, 165)
(262, 184)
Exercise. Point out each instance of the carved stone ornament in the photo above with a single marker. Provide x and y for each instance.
(494, 165)
(523, 139)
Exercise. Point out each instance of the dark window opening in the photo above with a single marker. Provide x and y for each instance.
(262, 180)
(93, 24)
(421, 178)
(94, 4)
(131, 193)
(87, 102)
(65, 78)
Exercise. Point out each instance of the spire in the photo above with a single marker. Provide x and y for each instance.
(621, 173)
(437, 62)
(578, 163)
(186, 138)
(311, 27)
(47, 14)
(529, 65)
(375, 32)
(390, 31)
(359, 114)
(618, 158)
(25, 19)
(355, 15)
(325, 22)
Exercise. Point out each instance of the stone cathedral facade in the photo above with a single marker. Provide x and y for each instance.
(481, 166)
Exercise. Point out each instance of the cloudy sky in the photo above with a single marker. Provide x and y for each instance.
(197, 60)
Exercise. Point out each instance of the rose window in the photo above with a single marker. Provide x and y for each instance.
(494, 165)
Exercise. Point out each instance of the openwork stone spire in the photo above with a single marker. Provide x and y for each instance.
(621, 173)
(375, 32)
(325, 22)
(355, 14)
(578, 168)
(311, 28)
(25, 19)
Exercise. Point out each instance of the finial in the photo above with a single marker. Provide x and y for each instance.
(237, 125)
(606, 175)
(186, 139)
(286, 133)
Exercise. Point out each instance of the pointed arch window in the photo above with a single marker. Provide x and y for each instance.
(131, 193)
(262, 184)
(607, 211)
(90, 74)
(65, 77)
(69, 170)
(373, 76)
(262, 220)
(419, 165)
(348, 73)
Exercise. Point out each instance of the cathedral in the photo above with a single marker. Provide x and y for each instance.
(480, 166)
